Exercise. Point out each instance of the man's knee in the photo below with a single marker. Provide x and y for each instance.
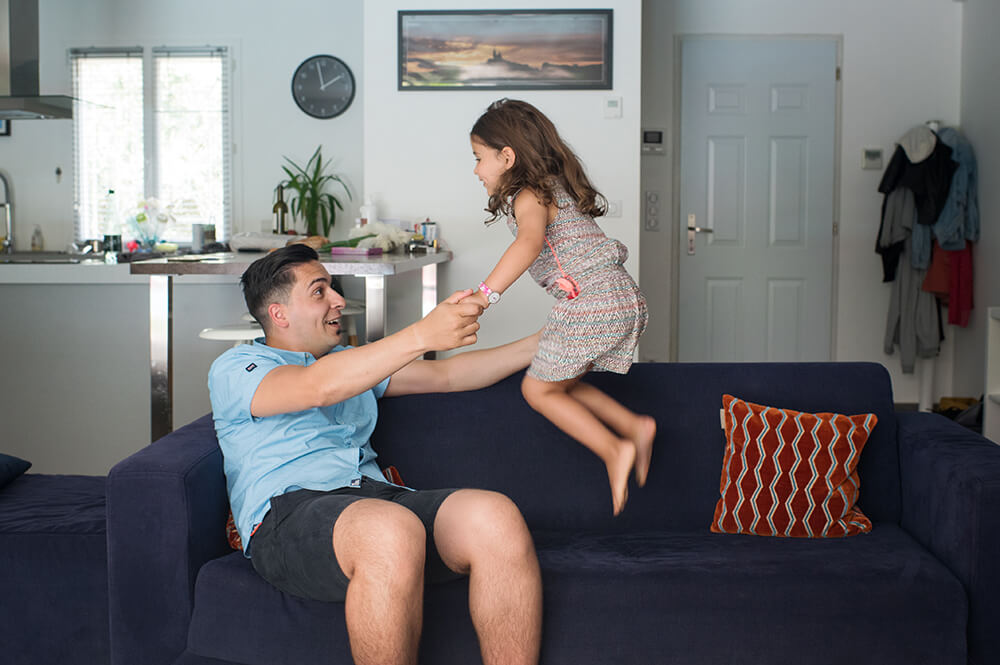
(380, 536)
(498, 524)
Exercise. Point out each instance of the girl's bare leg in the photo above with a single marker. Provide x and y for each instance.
(554, 401)
(639, 429)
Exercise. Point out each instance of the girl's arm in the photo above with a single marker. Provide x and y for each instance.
(470, 370)
(532, 217)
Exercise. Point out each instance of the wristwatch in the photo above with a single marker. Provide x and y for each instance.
(492, 297)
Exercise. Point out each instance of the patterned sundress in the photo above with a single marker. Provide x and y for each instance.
(599, 328)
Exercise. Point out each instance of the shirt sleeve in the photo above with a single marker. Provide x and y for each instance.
(380, 387)
(233, 380)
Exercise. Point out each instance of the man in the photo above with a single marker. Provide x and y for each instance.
(318, 519)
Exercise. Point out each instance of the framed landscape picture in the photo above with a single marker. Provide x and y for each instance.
(525, 49)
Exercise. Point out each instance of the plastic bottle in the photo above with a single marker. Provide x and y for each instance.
(368, 212)
(107, 211)
(37, 239)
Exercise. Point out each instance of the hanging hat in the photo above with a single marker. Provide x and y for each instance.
(918, 143)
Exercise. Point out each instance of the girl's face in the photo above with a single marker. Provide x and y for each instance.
(491, 163)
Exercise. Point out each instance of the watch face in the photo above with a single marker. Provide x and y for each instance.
(323, 86)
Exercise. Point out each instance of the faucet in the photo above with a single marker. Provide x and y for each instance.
(7, 206)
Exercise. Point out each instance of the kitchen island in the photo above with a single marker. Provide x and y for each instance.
(76, 339)
(161, 272)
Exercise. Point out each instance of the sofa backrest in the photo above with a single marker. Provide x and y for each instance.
(492, 439)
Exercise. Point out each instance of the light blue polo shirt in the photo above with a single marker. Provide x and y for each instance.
(318, 449)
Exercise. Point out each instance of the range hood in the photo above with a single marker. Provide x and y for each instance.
(19, 98)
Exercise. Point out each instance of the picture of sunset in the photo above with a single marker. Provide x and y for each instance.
(505, 50)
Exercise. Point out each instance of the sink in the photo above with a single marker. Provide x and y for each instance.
(46, 257)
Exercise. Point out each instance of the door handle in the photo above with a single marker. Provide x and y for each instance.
(692, 229)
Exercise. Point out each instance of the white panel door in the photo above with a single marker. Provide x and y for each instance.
(756, 178)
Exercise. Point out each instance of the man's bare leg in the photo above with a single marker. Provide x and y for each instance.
(483, 534)
(384, 605)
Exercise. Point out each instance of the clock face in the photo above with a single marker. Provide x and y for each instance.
(323, 86)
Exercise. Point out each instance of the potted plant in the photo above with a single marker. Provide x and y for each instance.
(310, 199)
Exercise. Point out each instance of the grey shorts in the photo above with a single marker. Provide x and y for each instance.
(293, 546)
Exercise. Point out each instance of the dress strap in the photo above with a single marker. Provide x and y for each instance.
(566, 283)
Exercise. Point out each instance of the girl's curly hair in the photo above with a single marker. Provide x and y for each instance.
(542, 159)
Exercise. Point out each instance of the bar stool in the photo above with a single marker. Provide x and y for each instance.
(352, 309)
(238, 333)
(248, 329)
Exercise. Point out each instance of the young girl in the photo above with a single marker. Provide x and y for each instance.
(534, 179)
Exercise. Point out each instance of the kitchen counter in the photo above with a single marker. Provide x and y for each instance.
(234, 263)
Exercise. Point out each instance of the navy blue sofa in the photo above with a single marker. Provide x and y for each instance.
(651, 586)
(53, 571)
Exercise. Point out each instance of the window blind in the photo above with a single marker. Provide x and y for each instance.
(192, 137)
(107, 135)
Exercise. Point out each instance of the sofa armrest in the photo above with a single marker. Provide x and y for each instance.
(951, 504)
(167, 507)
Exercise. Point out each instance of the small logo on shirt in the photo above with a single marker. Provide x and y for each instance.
(251, 367)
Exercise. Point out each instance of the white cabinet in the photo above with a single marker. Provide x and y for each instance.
(991, 404)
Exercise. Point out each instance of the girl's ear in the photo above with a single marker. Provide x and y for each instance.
(508, 156)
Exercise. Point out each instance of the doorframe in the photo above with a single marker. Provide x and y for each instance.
(675, 230)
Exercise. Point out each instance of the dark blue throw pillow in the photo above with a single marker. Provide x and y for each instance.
(11, 467)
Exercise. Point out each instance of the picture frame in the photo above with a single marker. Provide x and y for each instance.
(4, 127)
(500, 49)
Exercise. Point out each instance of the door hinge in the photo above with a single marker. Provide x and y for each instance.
(836, 228)
(838, 73)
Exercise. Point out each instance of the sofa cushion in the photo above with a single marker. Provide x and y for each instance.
(11, 467)
(53, 571)
(791, 474)
(881, 599)
(704, 599)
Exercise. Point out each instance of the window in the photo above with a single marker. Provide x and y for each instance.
(164, 136)
(107, 133)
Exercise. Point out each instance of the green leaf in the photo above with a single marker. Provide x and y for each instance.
(308, 197)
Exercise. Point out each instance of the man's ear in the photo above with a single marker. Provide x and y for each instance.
(276, 313)
(508, 156)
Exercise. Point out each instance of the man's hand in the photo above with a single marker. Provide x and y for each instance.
(451, 324)
(477, 297)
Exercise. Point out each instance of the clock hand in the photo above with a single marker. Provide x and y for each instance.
(324, 86)
(319, 70)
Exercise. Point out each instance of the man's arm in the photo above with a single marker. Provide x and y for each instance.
(342, 375)
(464, 371)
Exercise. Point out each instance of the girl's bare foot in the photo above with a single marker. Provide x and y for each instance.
(645, 432)
(619, 469)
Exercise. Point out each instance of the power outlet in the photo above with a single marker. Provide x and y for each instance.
(651, 211)
(614, 209)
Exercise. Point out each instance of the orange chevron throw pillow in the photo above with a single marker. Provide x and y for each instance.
(790, 474)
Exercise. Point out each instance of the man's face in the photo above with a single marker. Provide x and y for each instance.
(313, 310)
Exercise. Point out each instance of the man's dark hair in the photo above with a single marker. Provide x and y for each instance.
(269, 279)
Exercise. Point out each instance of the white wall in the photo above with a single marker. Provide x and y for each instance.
(980, 101)
(268, 40)
(418, 161)
(901, 66)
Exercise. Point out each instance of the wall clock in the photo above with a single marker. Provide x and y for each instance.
(323, 86)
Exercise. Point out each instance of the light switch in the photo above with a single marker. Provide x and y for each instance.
(871, 158)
